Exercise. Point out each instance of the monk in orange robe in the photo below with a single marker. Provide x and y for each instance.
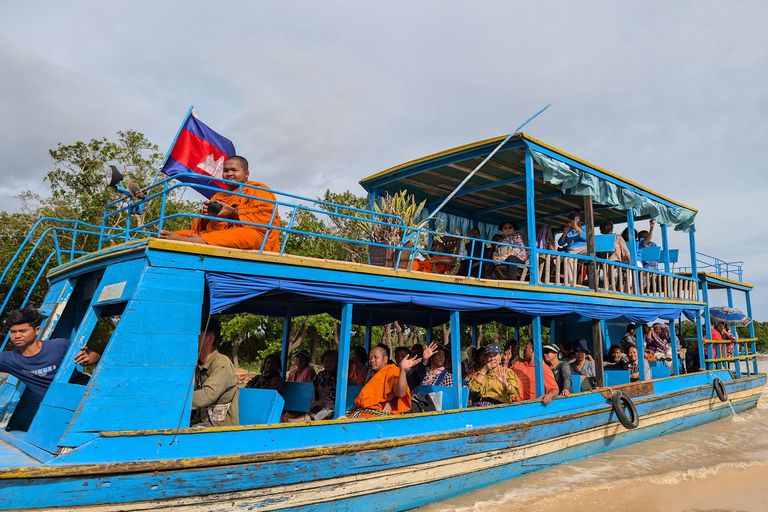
(387, 391)
(228, 232)
(438, 264)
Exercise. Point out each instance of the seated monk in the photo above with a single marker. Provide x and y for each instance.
(437, 264)
(226, 233)
(387, 391)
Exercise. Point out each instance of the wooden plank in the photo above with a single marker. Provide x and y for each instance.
(547, 266)
(558, 261)
(632, 390)
(589, 219)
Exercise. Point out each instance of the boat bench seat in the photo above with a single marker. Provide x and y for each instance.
(659, 372)
(260, 406)
(298, 396)
(616, 377)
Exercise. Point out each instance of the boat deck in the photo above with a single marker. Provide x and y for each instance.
(12, 457)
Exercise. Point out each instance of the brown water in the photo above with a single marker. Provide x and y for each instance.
(719, 466)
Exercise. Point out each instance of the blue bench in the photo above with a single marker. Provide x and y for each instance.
(605, 243)
(352, 391)
(260, 406)
(651, 253)
(298, 396)
(616, 377)
(448, 402)
(576, 383)
(659, 372)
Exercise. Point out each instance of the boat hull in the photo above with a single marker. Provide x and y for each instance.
(386, 473)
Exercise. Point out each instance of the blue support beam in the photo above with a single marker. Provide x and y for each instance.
(665, 247)
(640, 351)
(368, 332)
(456, 357)
(475, 337)
(707, 322)
(700, 340)
(530, 194)
(673, 342)
(345, 338)
(751, 332)
(286, 342)
(632, 246)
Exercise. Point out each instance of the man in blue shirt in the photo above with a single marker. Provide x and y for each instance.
(35, 362)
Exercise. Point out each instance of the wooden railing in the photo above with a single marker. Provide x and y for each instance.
(570, 270)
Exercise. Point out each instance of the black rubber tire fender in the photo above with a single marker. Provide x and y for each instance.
(720, 391)
(625, 410)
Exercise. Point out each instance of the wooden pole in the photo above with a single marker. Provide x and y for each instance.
(589, 220)
(597, 342)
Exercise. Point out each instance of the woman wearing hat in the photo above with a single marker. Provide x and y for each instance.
(303, 371)
(494, 383)
(583, 366)
(505, 253)
(561, 369)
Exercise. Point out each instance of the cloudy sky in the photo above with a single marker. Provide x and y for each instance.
(320, 94)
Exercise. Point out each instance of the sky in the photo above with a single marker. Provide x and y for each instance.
(318, 95)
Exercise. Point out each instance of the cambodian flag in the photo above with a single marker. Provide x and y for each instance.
(201, 150)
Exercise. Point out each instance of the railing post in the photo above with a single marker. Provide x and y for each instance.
(737, 363)
(633, 249)
(530, 192)
(665, 247)
(456, 358)
(700, 341)
(538, 359)
(345, 338)
(641, 354)
(589, 219)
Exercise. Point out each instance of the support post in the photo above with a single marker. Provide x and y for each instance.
(475, 334)
(665, 247)
(707, 321)
(751, 333)
(456, 358)
(673, 342)
(700, 342)
(530, 202)
(633, 250)
(286, 342)
(538, 359)
(694, 263)
(428, 335)
(342, 370)
(737, 363)
(589, 221)
(597, 344)
(640, 354)
(368, 332)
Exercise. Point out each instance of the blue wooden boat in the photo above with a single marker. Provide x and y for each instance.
(124, 442)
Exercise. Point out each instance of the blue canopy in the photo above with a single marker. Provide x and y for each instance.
(229, 293)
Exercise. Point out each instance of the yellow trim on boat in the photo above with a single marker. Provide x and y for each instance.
(518, 137)
(208, 250)
(717, 278)
(136, 245)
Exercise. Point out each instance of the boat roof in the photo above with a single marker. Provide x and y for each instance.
(497, 192)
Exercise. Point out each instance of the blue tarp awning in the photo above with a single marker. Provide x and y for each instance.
(229, 293)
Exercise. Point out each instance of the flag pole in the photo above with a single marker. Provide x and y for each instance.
(469, 176)
(170, 148)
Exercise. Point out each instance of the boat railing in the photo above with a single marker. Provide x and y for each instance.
(721, 353)
(49, 240)
(732, 270)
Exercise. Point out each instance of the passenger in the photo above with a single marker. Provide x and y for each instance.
(574, 240)
(510, 354)
(526, 374)
(494, 384)
(469, 364)
(620, 252)
(417, 350)
(400, 353)
(615, 358)
(660, 344)
(476, 250)
(643, 241)
(303, 372)
(507, 254)
(438, 374)
(560, 369)
(692, 358)
(359, 373)
(387, 392)
(324, 403)
(648, 340)
(583, 366)
(437, 264)
(415, 374)
(633, 365)
(629, 339)
(270, 375)
(481, 359)
(215, 399)
(228, 232)
(35, 362)
(722, 333)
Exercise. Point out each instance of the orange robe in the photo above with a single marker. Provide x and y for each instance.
(426, 266)
(526, 374)
(228, 233)
(374, 393)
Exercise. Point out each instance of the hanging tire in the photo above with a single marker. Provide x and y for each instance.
(625, 410)
(722, 394)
